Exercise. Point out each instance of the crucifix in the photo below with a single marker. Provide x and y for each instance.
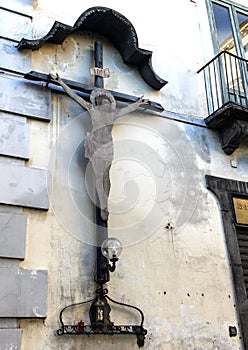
(101, 106)
(98, 144)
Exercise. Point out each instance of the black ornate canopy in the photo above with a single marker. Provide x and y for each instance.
(116, 28)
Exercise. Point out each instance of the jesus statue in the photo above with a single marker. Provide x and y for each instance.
(98, 143)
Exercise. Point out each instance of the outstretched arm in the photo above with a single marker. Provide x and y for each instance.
(132, 107)
(71, 93)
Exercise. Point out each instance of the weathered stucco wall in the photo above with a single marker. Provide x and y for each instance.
(174, 264)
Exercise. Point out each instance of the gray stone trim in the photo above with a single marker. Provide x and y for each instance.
(9, 263)
(10, 209)
(24, 293)
(7, 323)
(23, 186)
(14, 26)
(23, 7)
(12, 59)
(184, 118)
(14, 138)
(10, 339)
(15, 98)
(12, 235)
(224, 190)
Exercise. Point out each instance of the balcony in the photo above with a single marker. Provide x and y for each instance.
(226, 85)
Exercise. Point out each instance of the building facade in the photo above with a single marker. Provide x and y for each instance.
(178, 198)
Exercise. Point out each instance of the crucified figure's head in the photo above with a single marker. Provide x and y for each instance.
(103, 99)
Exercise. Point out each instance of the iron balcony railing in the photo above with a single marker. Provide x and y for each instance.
(226, 81)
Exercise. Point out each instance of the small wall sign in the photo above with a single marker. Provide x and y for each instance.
(241, 210)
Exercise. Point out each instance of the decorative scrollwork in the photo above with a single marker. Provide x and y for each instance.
(104, 327)
(88, 330)
(105, 21)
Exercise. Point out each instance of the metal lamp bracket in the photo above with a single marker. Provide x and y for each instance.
(99, 314)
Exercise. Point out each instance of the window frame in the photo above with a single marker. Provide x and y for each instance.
(233, 8)
(225, 190)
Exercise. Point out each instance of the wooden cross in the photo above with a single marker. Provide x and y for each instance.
(99, 73)
(102, 273)
(85, 90)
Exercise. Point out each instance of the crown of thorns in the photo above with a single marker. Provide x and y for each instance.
(96, 93)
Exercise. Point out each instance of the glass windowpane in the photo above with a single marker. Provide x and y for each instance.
(224, 28)
(243, 27)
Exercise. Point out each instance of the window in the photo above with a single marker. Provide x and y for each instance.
(229, 24)
(243, 27)
(228, 73)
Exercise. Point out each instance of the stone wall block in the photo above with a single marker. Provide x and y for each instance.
(10, 339)
(20, 96)
(23, 186)
(14, 138)
(12, 235)
(13, 59)
(24, 7)
(24, 293)
(14, 26)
